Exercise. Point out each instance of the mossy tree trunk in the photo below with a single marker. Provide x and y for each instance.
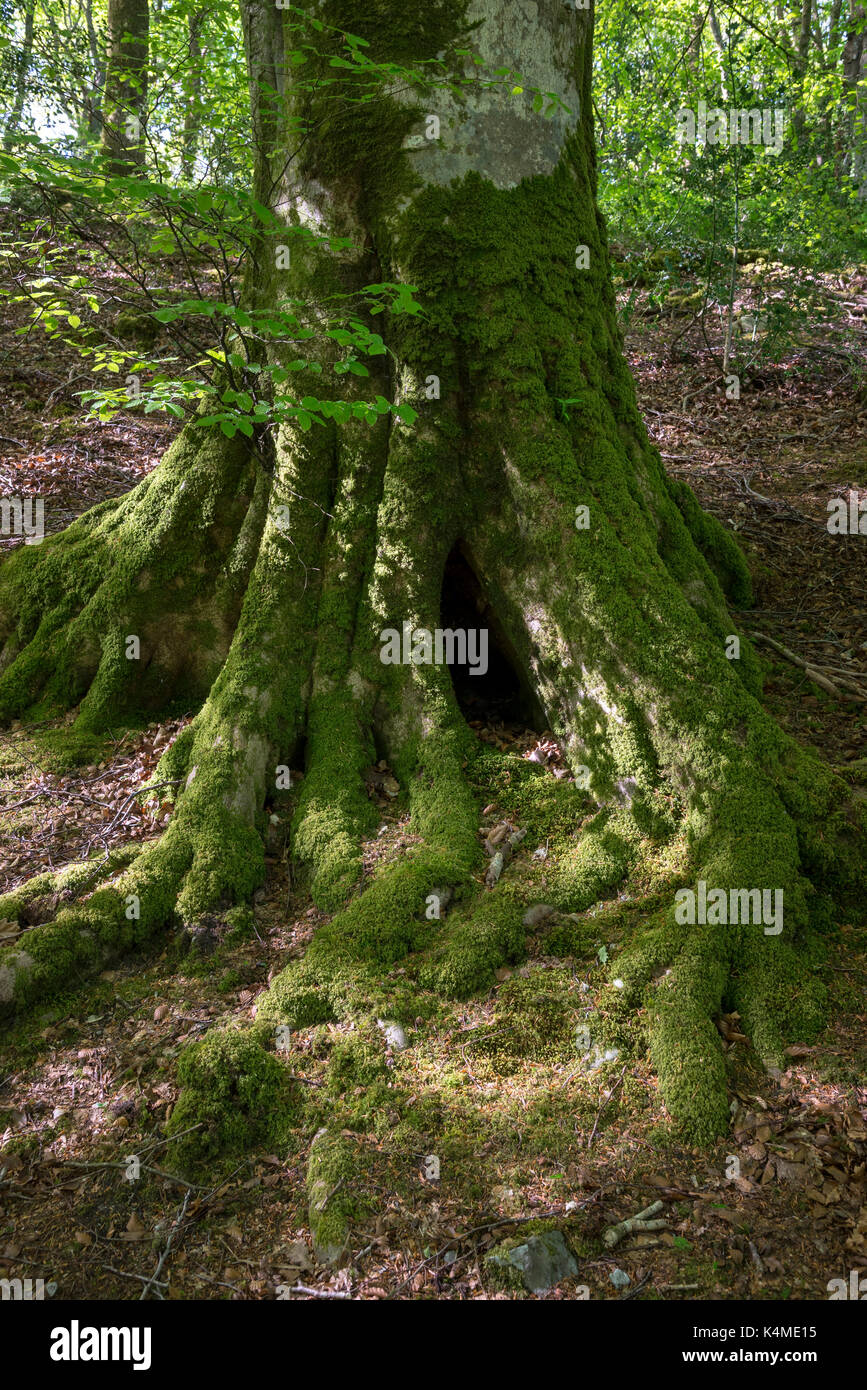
(527, 424)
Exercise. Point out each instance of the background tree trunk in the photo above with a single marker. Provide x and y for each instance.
(855, 86)
(126, 81)
(22, 73)
(616, 631)
(93, 97)
(193, 112)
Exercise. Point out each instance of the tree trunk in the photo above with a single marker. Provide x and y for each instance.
(193, 93)
(93, 95)
(855, 87)
(22, 71)
(126, 81)
(529, 483)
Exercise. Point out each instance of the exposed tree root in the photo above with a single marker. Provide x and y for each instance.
(166, 565)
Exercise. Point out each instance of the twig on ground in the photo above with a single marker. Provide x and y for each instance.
(603, 1105)
(641, 1222)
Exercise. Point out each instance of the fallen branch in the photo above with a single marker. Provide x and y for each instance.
(634, 1224)
(817, 676)
(142, 1278)
(318, 1293)
(176, 1226)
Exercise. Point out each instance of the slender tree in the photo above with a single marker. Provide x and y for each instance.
(22, 70)
(193, 93)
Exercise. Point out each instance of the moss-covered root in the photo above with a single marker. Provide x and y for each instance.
(212, 854)
(135, 603)
(235, 1097)
(330, 1170)
(84, 938)
(46, 892)
(746, 935)
(397, 912)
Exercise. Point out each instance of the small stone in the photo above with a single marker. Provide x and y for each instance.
(619, 1278)
(394, 1035)
(537, 913)
(539, 1263)
(297, 1255)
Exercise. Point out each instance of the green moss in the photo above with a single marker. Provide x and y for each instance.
(360, 1080)
(536, 1018)
(141, 328)
(147, 565)
(332, 1193)
(476, 940)
(527, 794)
(241, 925)
(235, 1096)
(598, 859)
(502, 1275)
(356, 145)
(718, 546)
(684, 1043)
(67, 883)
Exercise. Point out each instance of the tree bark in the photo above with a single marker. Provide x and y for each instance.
(93, 97)
(23, 69)
(617, 629)
(855, 87)
(126, 83)
(193, 92)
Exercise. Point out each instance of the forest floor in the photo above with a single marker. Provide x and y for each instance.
(775, 1210)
